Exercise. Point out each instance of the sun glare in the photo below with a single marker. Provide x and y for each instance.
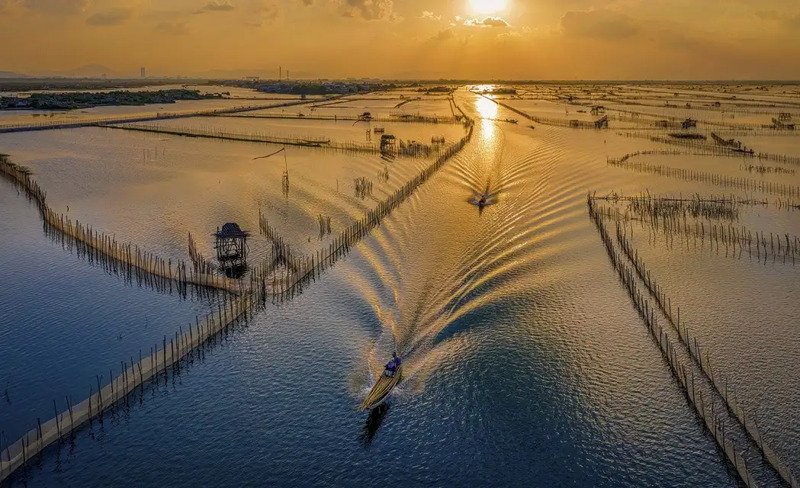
(486, 7)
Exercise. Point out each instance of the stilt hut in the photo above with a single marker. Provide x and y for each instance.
(231, 246)
(388, 144)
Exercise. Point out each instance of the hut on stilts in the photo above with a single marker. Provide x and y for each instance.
(231, 246)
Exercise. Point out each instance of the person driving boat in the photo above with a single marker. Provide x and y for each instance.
(391, 366)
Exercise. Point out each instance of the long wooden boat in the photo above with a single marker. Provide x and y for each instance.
(381, 390)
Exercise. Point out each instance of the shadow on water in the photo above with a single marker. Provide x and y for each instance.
(235, 272)
(374, 421)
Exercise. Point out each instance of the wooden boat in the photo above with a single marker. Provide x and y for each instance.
(381, 390)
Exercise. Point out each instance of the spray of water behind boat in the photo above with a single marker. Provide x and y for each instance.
(483, 199)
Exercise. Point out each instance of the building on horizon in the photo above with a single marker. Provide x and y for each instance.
(142, 72)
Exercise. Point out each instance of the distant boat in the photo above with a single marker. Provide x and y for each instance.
(381, 390)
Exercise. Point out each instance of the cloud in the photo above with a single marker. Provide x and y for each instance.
(56, 7)
(599, 24)
(217, 6)
(769, 15)
(263, 14)
(369, 9)
(110, 17)
(444, 35)
(789, 22)
(487, 22)
(172, 28)
(430, 15)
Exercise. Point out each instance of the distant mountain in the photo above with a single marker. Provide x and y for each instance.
(10, 74)
(93, 70)
(267, 74)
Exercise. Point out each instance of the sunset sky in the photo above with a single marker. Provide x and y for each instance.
(481, 39)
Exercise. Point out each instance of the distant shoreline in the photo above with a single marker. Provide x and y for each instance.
(81, 100)
(55, 84)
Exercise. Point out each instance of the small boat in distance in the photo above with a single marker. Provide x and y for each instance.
(484, 199)
(385, 384)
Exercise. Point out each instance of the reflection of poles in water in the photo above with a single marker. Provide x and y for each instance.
(374, 421)
(285, 179)
(363, 187)
(324, 225)
(384, 175)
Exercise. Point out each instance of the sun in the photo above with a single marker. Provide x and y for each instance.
(486, 7)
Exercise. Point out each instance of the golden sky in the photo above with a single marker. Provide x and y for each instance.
(479, 39)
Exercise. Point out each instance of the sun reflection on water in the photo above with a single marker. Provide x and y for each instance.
(486, 108)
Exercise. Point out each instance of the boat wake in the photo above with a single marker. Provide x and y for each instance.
(433, 271)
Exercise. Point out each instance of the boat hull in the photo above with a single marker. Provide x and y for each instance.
(381, 390)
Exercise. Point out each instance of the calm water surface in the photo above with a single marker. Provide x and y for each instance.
(527, 365)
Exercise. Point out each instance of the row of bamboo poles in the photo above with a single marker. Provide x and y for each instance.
(298, 271)
(410, 149)
(61, 124)
(736, 239)
(230, 310)
(124, 258)
(702, 145)
(148, 269)
(686, 174)
(405, 118)
(763, 169)
(213, 133)
(161, 361)
(632, 270)
(742, 128)
(750, 168)
(635, 117)
(571, 124)
(201, 264)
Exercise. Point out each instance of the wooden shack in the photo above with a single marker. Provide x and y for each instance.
(231, 246)
(688, 124)
(388, 144)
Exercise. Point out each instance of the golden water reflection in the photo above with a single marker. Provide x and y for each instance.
(486, 107)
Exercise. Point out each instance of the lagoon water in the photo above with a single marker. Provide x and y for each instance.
(526, 363)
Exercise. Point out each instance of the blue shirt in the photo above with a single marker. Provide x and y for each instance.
(393, 364)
